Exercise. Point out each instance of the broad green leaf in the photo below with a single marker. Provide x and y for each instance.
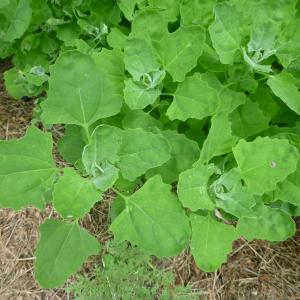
(74, 77)
(226, 32)
(289, 49)
(140, 119)
(27, 170)
(193, 186)
(168, 8)
(139, 58)
(141, 151)
(62, 249)
(184, 152)
(266, 223)
(202, 95)
(232, 196)
(104, 147)
(18, 16)
(265, 162)
(41, 11)
(149, 25)
(127, 7)
(219, 140)
(116, 38)
(267, 102)
(73, 195)
(71, 145)
(4, 3)
(154, 220)
(179, 51)
(106, 12)
(197, 12)
(138, 96)
(111, 66)
(289, 189)
(286, 87)
(210, 61)
(248, 120)
(68, 33)
(211, 242)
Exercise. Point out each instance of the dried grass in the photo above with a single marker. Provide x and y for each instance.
(256, 270)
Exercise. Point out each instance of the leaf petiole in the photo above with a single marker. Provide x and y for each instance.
(120, 194)
(87, 133)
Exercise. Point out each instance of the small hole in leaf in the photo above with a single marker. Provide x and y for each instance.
(273, 164)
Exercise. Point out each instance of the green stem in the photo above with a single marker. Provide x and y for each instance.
(87, 133)
(166, 94)
(153, 108)
(120, 194)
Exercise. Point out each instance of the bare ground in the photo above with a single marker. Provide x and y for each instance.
(256, 270)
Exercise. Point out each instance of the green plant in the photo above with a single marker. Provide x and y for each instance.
(201, 95)
(127, 273)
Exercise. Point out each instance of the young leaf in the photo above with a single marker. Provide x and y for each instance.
(226, 32)
(106, 177)
(232, 196)
(27, 169)
(73, 78)
(184, 152)
(62, 249)
(266, 223)
(154, 220)
(138, 96)
(193, 187)
(211, 242)
(202, 95)
(139, 58)
(286, 87)
(104, 147)
(74, 196)
(141, 151)
(265, 162)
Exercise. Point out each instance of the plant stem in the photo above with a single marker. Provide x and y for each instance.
(166, 94)
(120, 194)
(87, 133)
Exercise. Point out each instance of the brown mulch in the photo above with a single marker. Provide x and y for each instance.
(256, 270)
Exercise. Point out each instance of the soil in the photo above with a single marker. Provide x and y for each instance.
(256, 270)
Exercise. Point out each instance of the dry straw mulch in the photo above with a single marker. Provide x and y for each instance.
(256, 270)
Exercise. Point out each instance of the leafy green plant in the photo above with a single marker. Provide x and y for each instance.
(127, 273)
(187, 110)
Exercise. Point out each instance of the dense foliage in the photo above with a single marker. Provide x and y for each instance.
(187, 109)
